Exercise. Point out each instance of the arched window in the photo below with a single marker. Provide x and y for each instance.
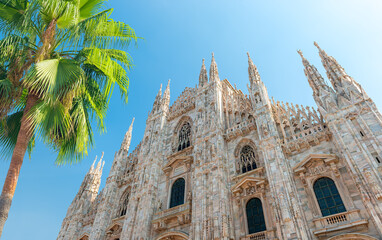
(123, 204)
(177, 193)
(255, 216)
(184, 136)
(247, 159)
(328, 198)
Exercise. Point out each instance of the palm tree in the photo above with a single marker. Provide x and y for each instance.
(59, 63)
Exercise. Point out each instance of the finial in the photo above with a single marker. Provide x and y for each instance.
(99, 164)
(166, 95)
(92, 166)
(249, 59)
(127, 139)
(316, 44)
(103, 164)
(203, 79)
(300, 52)
(131, 126)
(214, 75)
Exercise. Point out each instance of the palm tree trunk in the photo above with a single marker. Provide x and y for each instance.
(10, 183)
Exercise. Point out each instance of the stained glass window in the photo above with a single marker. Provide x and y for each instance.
(247, 159)
(184, 136)
(328, 197)
(124, 202)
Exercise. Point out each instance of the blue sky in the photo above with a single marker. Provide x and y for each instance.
(177, 35)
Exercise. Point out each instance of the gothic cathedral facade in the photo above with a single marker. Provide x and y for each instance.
(219, 164)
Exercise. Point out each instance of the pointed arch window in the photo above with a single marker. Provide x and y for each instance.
(124, 202)
(255, 216)
(184, 140)
(328, 197)
(177, 193)
(247, 159)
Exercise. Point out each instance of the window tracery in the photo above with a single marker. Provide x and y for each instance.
(247, 159)
(123, 205)
(184, 136)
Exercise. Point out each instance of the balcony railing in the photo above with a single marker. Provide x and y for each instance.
(172, 211)
(265, 235)
(305, 139)
(172, 217)
(339, 221)
(240, 128)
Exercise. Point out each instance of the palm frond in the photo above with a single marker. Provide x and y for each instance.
(18, 16)
(74, 76)
(64, 12)
(74, 147)
(89, 7)
(54, 78)
(51, 121)
(9, 130)
(115, 73)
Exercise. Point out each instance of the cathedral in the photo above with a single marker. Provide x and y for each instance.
(219, 164)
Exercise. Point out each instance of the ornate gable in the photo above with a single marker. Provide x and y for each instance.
(184, 103)
(249, 186)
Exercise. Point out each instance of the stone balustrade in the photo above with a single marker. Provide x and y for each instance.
(172, 217)
(305, 139)
(339, 221)
(264, 235)
(240, 129)
(307, 132)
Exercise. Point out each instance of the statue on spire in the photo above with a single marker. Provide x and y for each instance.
(166, 98)
(341, 81)
(127, 139)
(322, 93)
(158, 100)
(214, 74)
(203, 78)
(254, 76)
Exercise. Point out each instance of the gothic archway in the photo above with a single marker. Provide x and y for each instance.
(173, 236)
(352, 236)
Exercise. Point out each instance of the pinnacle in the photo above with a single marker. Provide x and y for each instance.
(166, 95)
(300, 52)
(203, 79)
(214, 75)
(321, 52)
(127, 139)
(99, 165)
(92, 166)
(168, 86)
(304, 60)
(160, 89)
(316, 44)
(249, 59)
(131, 125)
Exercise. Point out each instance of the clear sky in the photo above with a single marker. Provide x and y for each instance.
(177, 36)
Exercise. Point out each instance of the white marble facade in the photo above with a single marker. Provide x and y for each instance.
(219, 164)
